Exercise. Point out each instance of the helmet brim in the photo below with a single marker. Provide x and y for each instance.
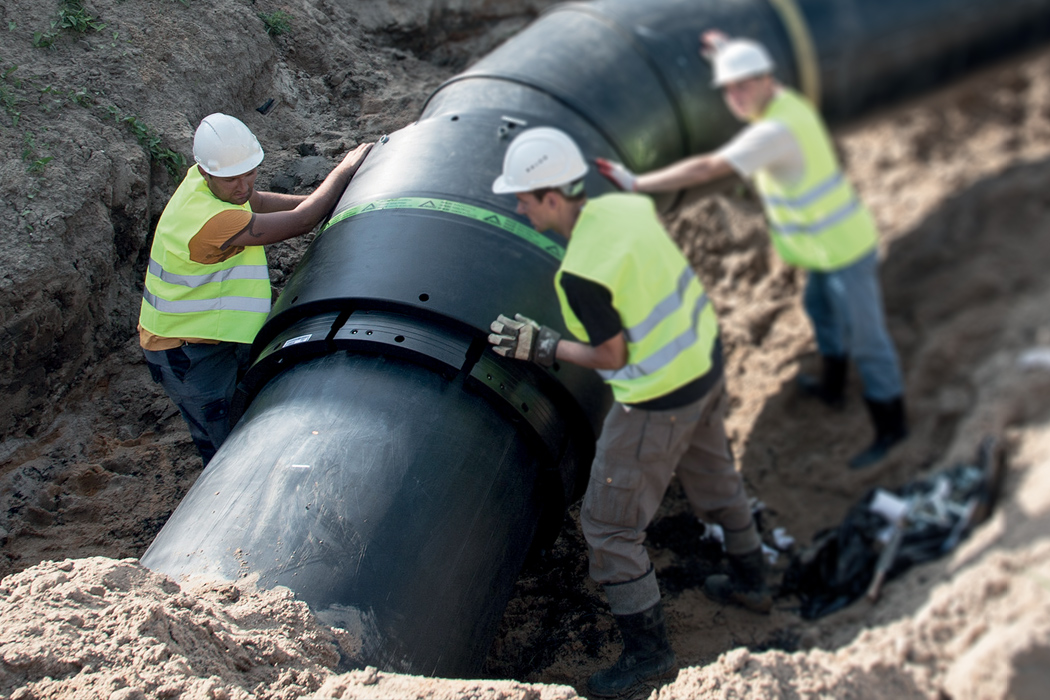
(502, 186)
(245, 166)
(719, 83)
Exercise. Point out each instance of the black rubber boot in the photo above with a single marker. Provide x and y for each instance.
(646, 656)
(831, 386)
(745, 585)
(891, 427)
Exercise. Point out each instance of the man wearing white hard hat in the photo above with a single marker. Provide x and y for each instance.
(646, 325)
(817, 222)
(207, 289)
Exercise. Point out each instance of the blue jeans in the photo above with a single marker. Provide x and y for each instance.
(201, 379)
(845, 307)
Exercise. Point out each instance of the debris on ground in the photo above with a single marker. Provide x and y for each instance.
(887, 533)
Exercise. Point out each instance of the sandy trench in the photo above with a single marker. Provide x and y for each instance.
(958, 181)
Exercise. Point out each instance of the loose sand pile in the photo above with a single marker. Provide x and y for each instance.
(95, 457)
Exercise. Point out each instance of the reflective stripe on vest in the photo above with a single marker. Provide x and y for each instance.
(665, 355)
(818, 227)
(241, 272)
(193, 306)
(665, 308)
(670, 328)
(225, 301)
(807, 198)
(818, 223)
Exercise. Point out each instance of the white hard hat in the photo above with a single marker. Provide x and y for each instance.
(738, 59)
(539, 158)
(223, 146)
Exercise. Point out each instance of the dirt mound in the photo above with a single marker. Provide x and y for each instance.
(99, 627)
(95, 457)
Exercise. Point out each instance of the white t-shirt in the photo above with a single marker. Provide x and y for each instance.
(765, 145)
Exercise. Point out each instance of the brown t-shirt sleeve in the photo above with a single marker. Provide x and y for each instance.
(208, 245)
(149, 341)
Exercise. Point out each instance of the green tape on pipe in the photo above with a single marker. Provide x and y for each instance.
(459, 209)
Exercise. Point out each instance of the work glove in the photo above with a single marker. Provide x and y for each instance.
(711, 42)
(524, 339)
(617, 174)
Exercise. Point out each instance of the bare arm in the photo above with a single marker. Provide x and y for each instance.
(271, 227)
(612, 354)
(690, 172)
(267, 202)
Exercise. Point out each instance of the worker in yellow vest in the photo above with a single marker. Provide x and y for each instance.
(816, 222)
(207, 289)
(646, 325)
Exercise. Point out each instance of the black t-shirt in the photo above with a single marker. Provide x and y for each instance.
(592, 304)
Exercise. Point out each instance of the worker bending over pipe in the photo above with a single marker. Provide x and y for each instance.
(207, 289)
(816, 221)
(647, 326)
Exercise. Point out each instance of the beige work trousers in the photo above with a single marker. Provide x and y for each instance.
(637, 454)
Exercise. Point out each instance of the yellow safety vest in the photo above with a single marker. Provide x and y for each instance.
(669, 324)
(818, 223)
(226, 301)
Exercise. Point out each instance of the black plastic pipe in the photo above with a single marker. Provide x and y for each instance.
(390, 469)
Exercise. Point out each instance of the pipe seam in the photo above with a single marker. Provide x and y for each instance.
(802, 43)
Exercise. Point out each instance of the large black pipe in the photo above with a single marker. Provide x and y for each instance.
(388, 468)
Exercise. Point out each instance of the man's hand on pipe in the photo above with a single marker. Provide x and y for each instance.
(523, 339)
(353, 159)
(617, 174)
(711, 41)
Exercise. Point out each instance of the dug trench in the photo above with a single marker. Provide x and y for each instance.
(959, 182)
(964, 260)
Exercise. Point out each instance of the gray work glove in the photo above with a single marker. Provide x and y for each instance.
(524, 339)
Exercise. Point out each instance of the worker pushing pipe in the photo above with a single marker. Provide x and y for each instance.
(388, 467)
